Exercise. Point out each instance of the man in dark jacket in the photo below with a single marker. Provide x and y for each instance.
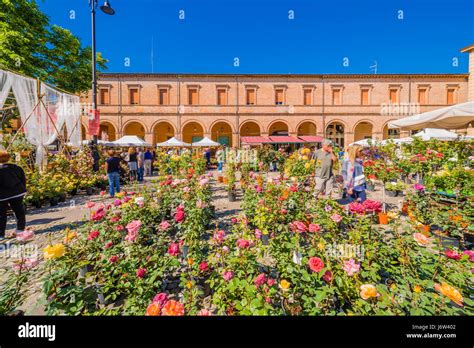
(12, 191)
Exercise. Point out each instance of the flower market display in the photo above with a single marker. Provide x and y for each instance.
(159, 250)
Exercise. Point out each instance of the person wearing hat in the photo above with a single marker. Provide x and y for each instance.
(12, 191)
(324, 177)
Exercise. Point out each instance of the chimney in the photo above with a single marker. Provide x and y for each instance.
(470, 50)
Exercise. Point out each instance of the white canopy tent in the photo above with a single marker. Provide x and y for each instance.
(130, 140)
(205, 142)
(398, 141)
(365, 142)
(452, 117)
(440, 134)
(173, 142)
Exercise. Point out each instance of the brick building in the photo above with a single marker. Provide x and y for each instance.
(345, 108)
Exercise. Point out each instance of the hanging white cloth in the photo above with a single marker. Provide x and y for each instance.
(5, 86)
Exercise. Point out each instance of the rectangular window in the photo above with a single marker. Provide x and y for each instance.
(451, 96)
(307, 97)
(250, 96)
(104, 96)
(364, 97)
(393, 96)
(422, 96)
(163, 96)
(133, 92)
(278, 97)
(336, 97)
(193, 96)
(222, 96)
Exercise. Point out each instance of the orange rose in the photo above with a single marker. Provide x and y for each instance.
(368, 291)
(421, 239)
(173, 308)
(450, 292)
(154, 309)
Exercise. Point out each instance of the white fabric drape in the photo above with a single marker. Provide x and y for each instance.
(42, 120)
(5, 85)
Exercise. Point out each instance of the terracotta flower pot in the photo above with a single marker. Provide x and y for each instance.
(383, 218)
(405, 208)
(220, 178)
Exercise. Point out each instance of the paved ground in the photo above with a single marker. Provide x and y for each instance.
(48, 224)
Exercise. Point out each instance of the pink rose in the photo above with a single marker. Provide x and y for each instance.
(234, 220)
(228, 275)
(90, 205)
(161, 298)
(452, 254)
(336, 218)
(470, 253)
(179, 216)
(258, 233)
(204, 313)
(164, 225)
(113, 259)
(418, 187)
(351, 267)
(270, 282)
(219, 236)
(108, 245)
(134, 226)
(315, 264)
(117, 202)
(243, 244)
(314, 228)
(119, 228)
(299, 226)
(260, 280)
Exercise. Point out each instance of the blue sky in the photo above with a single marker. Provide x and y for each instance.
(263, 38)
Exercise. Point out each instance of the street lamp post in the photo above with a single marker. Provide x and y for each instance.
(106, 8)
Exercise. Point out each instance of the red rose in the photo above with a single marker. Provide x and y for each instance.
(141, 272)
(179, 216)
(113, 259)
(203, 266)
(316, 264)
(173, 250)
(451, 254)
(93, 235)
(327, 277)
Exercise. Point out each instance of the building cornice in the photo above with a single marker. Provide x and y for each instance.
(317, 76)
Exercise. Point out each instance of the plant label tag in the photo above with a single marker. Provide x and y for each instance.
(297, 257)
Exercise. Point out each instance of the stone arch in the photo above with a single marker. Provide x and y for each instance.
(363, 129)
(162, 131)
(192, 131)
(222, 132)
(306, 127)
(107, 131)
(278, 127)
(335, 131)
(250, 128)
(134, 128)
(390, 133)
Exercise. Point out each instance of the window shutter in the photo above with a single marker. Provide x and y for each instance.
(307, 97)
(163, 96)
(364, 96)
(393, 96)
(250, 97)
(422, 96)
(221, 97)
(193, 98)
(133, 95)
(104, 96)
(279, 96)
(336, 96)
(450, 96)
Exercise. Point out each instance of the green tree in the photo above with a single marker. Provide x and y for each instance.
(29, 44)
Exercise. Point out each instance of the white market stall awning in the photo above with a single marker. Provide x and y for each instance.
(452, 117)
(206, 142)
(130, 140)
(397, 141)
(173, 142)
(439, 134)
(365, 143)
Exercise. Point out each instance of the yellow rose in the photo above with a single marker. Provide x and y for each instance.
(307, 165)
(368, 291)
(284, 285)
(321, 246)
(417, 289)
(69, 236)
(54, 251)
(450, 292)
